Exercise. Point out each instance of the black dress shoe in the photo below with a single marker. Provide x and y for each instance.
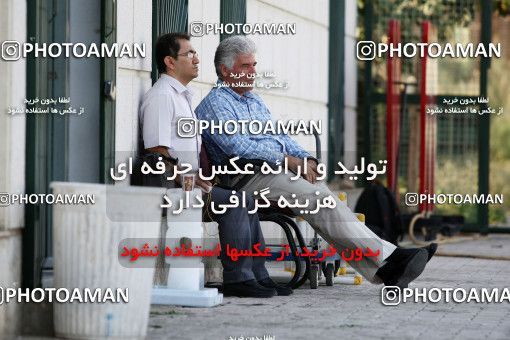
(248, 288)
(403, 266)
(280, 290)
(431, 249)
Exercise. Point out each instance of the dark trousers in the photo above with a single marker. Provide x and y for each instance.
(241, 231)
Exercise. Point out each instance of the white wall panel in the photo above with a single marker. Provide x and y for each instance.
(12, 127)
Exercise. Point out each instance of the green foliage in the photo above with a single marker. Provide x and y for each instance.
(503, 7)
(444, 14)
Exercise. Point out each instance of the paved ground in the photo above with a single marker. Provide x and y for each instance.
(348, 311)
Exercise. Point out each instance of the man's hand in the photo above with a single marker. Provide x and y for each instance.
(312, 164)
(293, 163)
(311, 170)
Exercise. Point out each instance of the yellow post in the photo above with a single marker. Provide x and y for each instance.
(361, 217)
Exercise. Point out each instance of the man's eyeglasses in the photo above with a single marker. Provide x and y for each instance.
(190, 54)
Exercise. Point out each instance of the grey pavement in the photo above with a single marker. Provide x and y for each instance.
(494, 246)
(348, 311)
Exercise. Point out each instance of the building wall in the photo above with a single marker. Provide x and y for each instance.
(205, 11)
(301, 60)
(12, 159)
(84, 74)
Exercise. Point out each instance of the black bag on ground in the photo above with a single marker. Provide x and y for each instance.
(381, 212)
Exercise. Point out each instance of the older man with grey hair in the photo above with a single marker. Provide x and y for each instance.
(233, 99)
